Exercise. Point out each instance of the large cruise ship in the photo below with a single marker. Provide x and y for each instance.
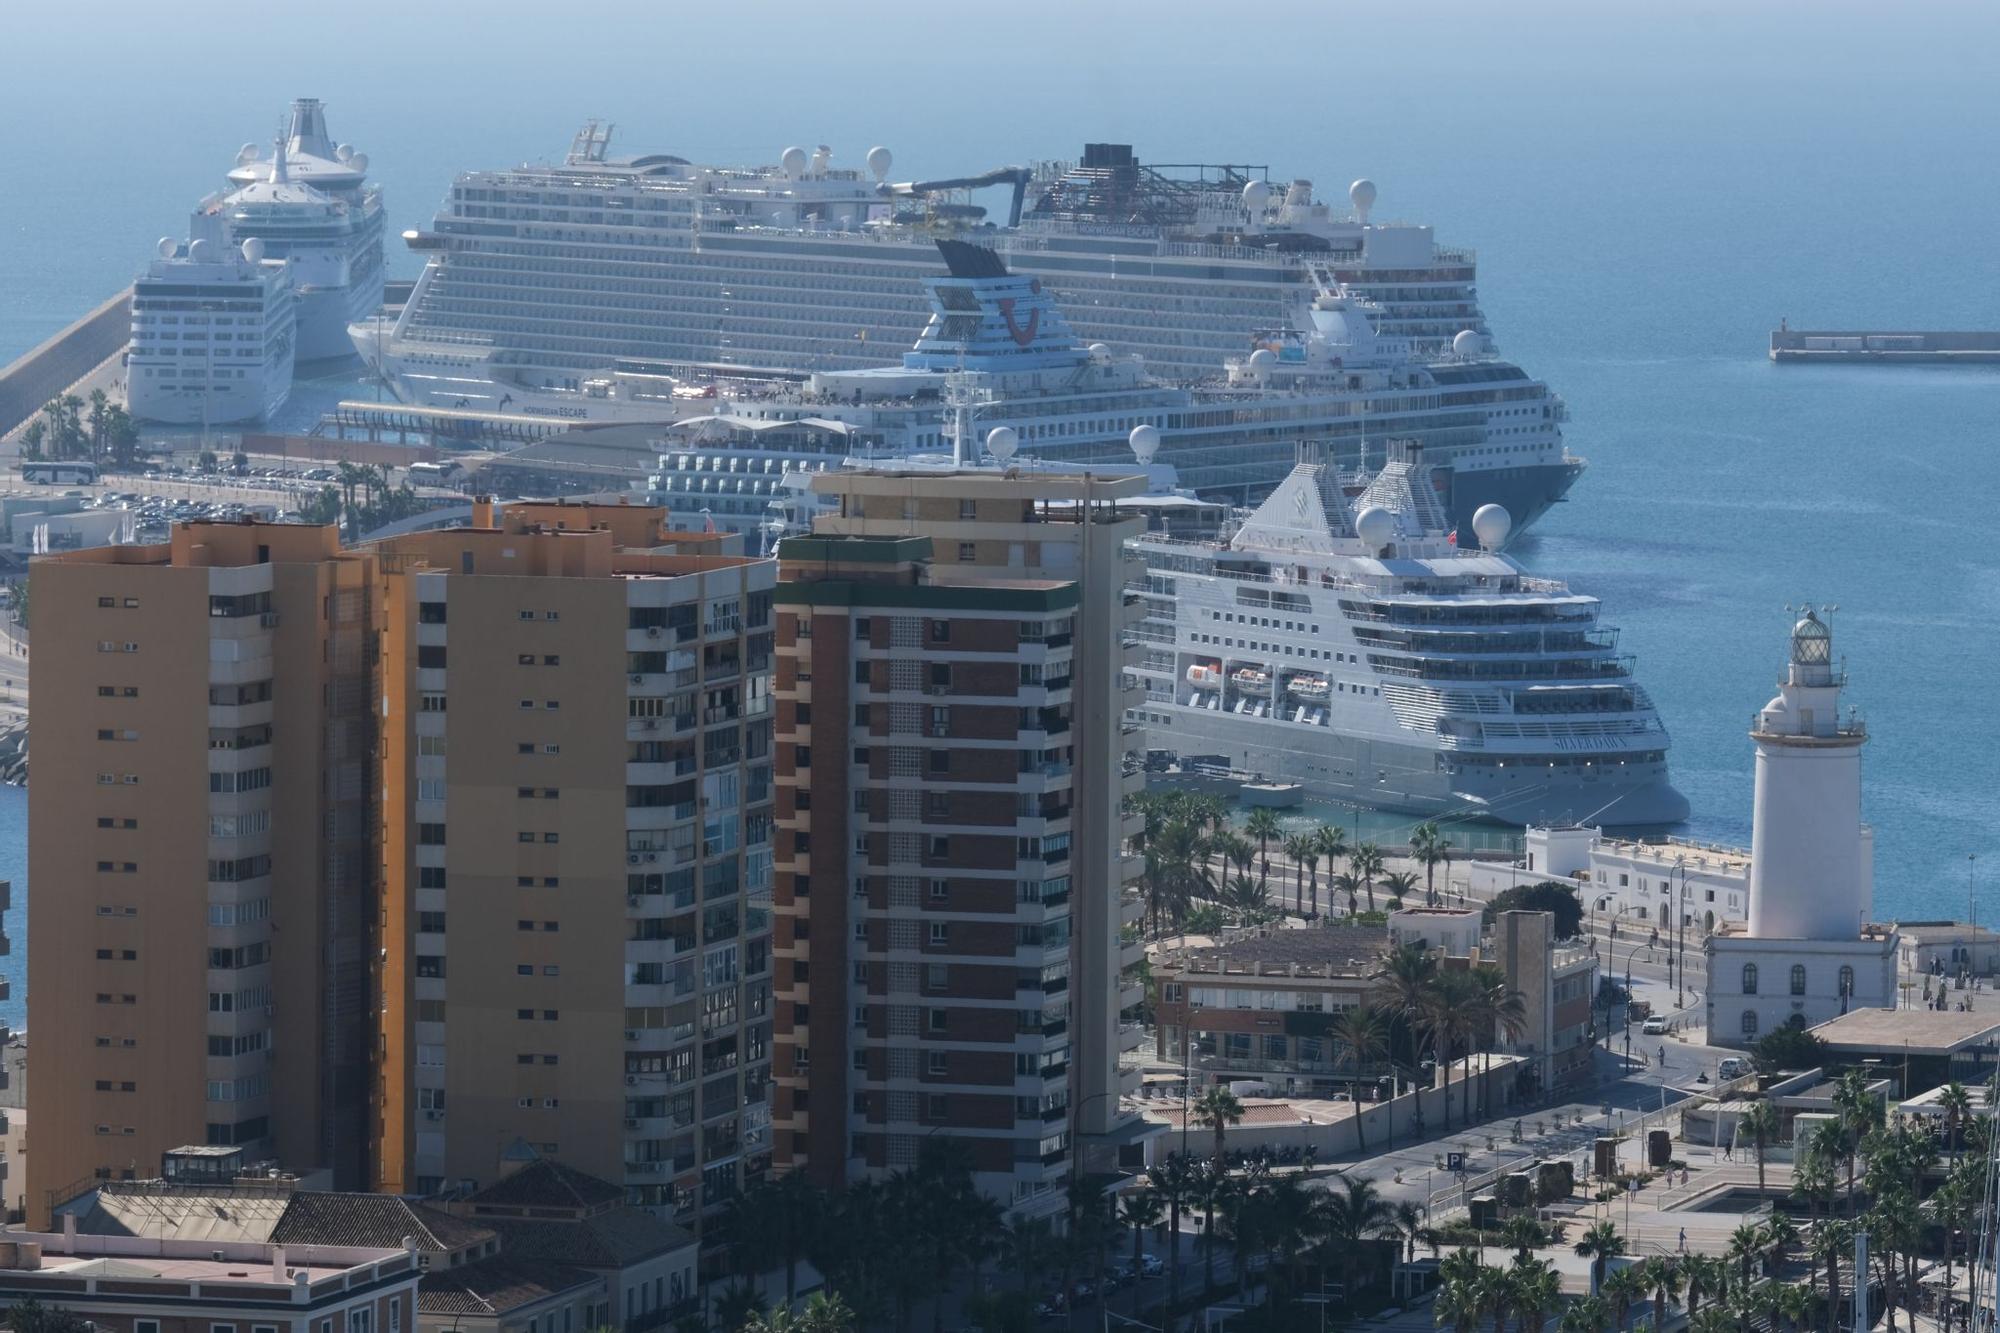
(310, 203)
(212, 333)
(998, 354)
(1341, 639)
(545, 276)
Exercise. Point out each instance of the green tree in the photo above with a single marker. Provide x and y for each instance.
(207, 461)
(1263, 825)
(1746, 1250)
(1364, 862)
(1787, 1047)
(1175, 1180)
(1459, 1304)
(1430, 849)
(1600, 1244)
(1332, 840)
(1584, 1315)
(1624, 1289)
(1665, 1280)
(31, 1316)
(1217, 1109)
(1956, 1103)
(1140, 1210)
(1549, 896)
(1400, 884)
(1760, 1121)
(121, 437)
(1363, 1038)
(33, 436)
(1537, 1291)
(98, 420)
(1348, 886)
(737, 1304)
(1300, 848)
(239, 462)
(1351, 1213)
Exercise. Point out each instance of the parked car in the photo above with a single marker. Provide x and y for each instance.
(1655, 1026)
(1152, 1265)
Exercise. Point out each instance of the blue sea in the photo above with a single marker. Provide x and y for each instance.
(1649, 188)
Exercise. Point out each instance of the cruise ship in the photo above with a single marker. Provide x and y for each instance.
(310, 203)
(1340, 638)
(213, 333)
(997, 353)
(546, 276)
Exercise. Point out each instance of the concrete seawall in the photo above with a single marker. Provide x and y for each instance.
(49, 369)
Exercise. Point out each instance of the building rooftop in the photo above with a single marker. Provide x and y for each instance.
(496, 1286)
(1924, 931)
(1329, 951)
(542, 1184)
(1907, 1031)
(373, 1219)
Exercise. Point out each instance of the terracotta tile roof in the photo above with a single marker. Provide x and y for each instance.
(545, 1184)
(373, 1219)
(613, 1239)
(496, 1285)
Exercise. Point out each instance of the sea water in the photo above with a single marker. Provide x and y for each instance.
(1648, 194)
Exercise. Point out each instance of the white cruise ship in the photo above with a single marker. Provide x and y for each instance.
(311, 205)
(1341, 639)
(546, 276)
(998, 354)
(213, 333)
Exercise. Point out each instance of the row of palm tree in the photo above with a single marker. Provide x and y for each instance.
(94, 428)
(1195, 856)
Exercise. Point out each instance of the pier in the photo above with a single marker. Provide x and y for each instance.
(1936, 348)
(70, 356)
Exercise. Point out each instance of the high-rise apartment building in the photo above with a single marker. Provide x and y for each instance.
(952, 883)
(200, 820)
(385, 859)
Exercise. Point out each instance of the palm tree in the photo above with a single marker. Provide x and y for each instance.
(1299, 847)
(1951, 1208)
(1364, 862)
(1832, 1240)
(825, 1312)
(1406, 980)
(1600, 1244)
(1348, 885)
(1624, 1289)
(100, 413)
(1174, 1180)
(1799, 1305)
(1332, 840)
(1217, 1109)
(1584, 1315)
(1496, 1008)
(1363, 1037)
(1703, 1276)
(1140, 1210)
(1263, 825)
(1746, 1247)
(1780, 1234)
(1449, 1014)
(32, 437)
(1208, 1188)
(1350, 1212)
(1522, 1232)
(1400, 884)
(737, 1304)
(1856, 1112)
(1459, 1304)
(1537, 1290)
(1410, 1222)
(1027, 1241)
(1496, 1295)
(1956, 1103)
(1761, 1120)
(1664, 1277)
(1430, 849)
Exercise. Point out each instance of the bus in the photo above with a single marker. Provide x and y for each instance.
(433, 474)
(67, 472)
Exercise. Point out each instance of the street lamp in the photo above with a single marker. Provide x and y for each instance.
(1680, 935)
(1628, 992)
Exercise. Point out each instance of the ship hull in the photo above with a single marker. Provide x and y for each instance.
(1402, 778)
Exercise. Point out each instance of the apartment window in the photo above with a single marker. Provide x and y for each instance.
(940, 761)
(431, 656)
(940, 890)
(939, 1019)
(940, 631)
(940, 721)
(1749, 979)
(1749, 1025)
(430, 703)
(1798, 978)
(938, 1063)
(940, 932)
(940, 846)
(430, 613)
(430, 877)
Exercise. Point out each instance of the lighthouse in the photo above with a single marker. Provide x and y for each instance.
(1808, 952)
(1808, 870)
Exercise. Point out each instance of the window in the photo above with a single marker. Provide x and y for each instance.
(937, 1063)
(940, 631)
(939, 1019)
(1750, 983)
(1846, 981)
(940, 890)
(1798, 978)
(967, 552)
(940, 932)
(1749, 1022)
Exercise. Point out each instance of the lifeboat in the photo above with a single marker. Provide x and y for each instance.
(1250, 680)
(1313, 688)
(1204, 676)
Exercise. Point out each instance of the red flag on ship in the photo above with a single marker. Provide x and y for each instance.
(1452, 536)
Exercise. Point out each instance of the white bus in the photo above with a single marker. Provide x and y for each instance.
(434, 474)
(68, 472)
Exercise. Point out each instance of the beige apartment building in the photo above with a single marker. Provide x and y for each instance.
(954, 887)
(200, 822)
(387, 859)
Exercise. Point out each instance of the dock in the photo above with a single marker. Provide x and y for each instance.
(1921, 348)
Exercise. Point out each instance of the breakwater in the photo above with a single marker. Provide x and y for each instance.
(62, 360)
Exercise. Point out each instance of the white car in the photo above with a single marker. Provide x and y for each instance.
(1654, 1027)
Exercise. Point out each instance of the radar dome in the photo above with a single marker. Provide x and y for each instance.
(794, 162)
(167, 247)
(249, 152)
(1491, 524)
(1467, 343)
(880, 160)
(1362, 195)
(1100, 352)
(1263, 359)
(1001, 442)
(1255, 195)
(359, 161)
(344, 153)
(1145, 442)
(1375, 526)
(202, 251)
(253, 250)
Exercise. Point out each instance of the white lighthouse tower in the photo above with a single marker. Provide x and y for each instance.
(1810, 952)
(1808, 871)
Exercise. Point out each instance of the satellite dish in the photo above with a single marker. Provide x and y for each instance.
(253, 250)
(1255, 195)
(344, 153)
(1376, 527)
(880, 160)
(794, 162)
(1145, 441)
(1491, 524)
(359, 161)
(168, 245)
(1467, 343)
(1362, 195)
(202, 251)
(1001, 442)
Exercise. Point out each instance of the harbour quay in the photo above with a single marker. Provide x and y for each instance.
(1936, 348)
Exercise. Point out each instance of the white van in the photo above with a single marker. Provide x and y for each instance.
(1732, 1066)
